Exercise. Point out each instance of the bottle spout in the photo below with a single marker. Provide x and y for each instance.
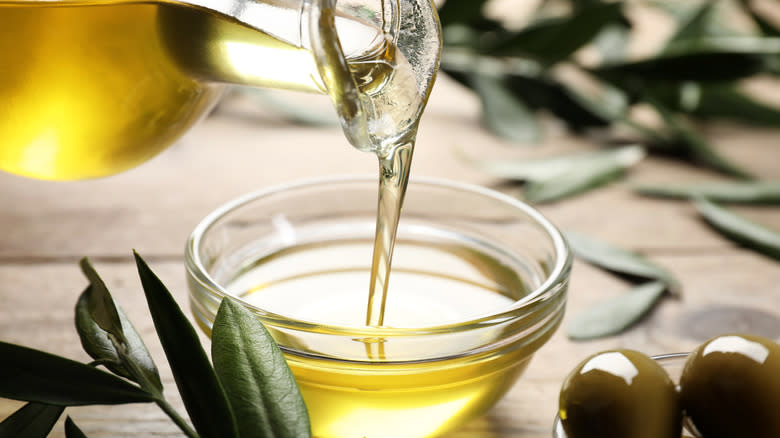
(377, 63)
(334, 71)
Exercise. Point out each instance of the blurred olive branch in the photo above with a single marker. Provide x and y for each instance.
(249, 391)
(695, 75)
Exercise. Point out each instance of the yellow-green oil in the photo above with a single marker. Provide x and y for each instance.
(356, 385)
(426, 399)
(93, 88)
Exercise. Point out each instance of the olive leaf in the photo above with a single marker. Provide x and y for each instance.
(551, 93)
(743, 192)
(97, 344)
(681, 12)
(619, 260)
(553, 178)
(603, 100)
(740, 229)
(551, 167)
(71, 430)
(101, 305)
(694, 146)
(200, 390)
(716, 101)
(258, 381)
(727, 101)
(554, 39)
(583, 176)
(616, 314)
(32, 375)
(527, 81)
(576, 4)
(503, 113)
(33, 420)
(695, 25)
(578, 181)
(701, 59)
(766, 27)
(460, 11)
(612, 42)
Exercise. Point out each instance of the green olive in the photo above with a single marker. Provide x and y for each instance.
(730, 387)
(619, 394)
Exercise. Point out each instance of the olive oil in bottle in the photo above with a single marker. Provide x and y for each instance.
(93, 88)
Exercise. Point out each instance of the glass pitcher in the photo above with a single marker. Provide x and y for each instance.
(93, 87)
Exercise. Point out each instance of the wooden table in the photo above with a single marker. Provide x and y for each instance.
(46, 227)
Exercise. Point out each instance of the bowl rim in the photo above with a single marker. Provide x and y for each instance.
(553, 286)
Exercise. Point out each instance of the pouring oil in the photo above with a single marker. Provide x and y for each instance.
(94, 88)
(383, 120)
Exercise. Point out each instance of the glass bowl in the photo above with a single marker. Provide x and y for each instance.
(478, 285)
(673, 363)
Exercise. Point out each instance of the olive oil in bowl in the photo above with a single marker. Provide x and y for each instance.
(360, 387)
(478, 286)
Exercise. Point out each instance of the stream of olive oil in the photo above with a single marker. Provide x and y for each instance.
(93, 88)
(382, 119)
(393, 179)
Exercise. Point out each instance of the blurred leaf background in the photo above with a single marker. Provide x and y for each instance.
(628, 90)
(570, 59)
